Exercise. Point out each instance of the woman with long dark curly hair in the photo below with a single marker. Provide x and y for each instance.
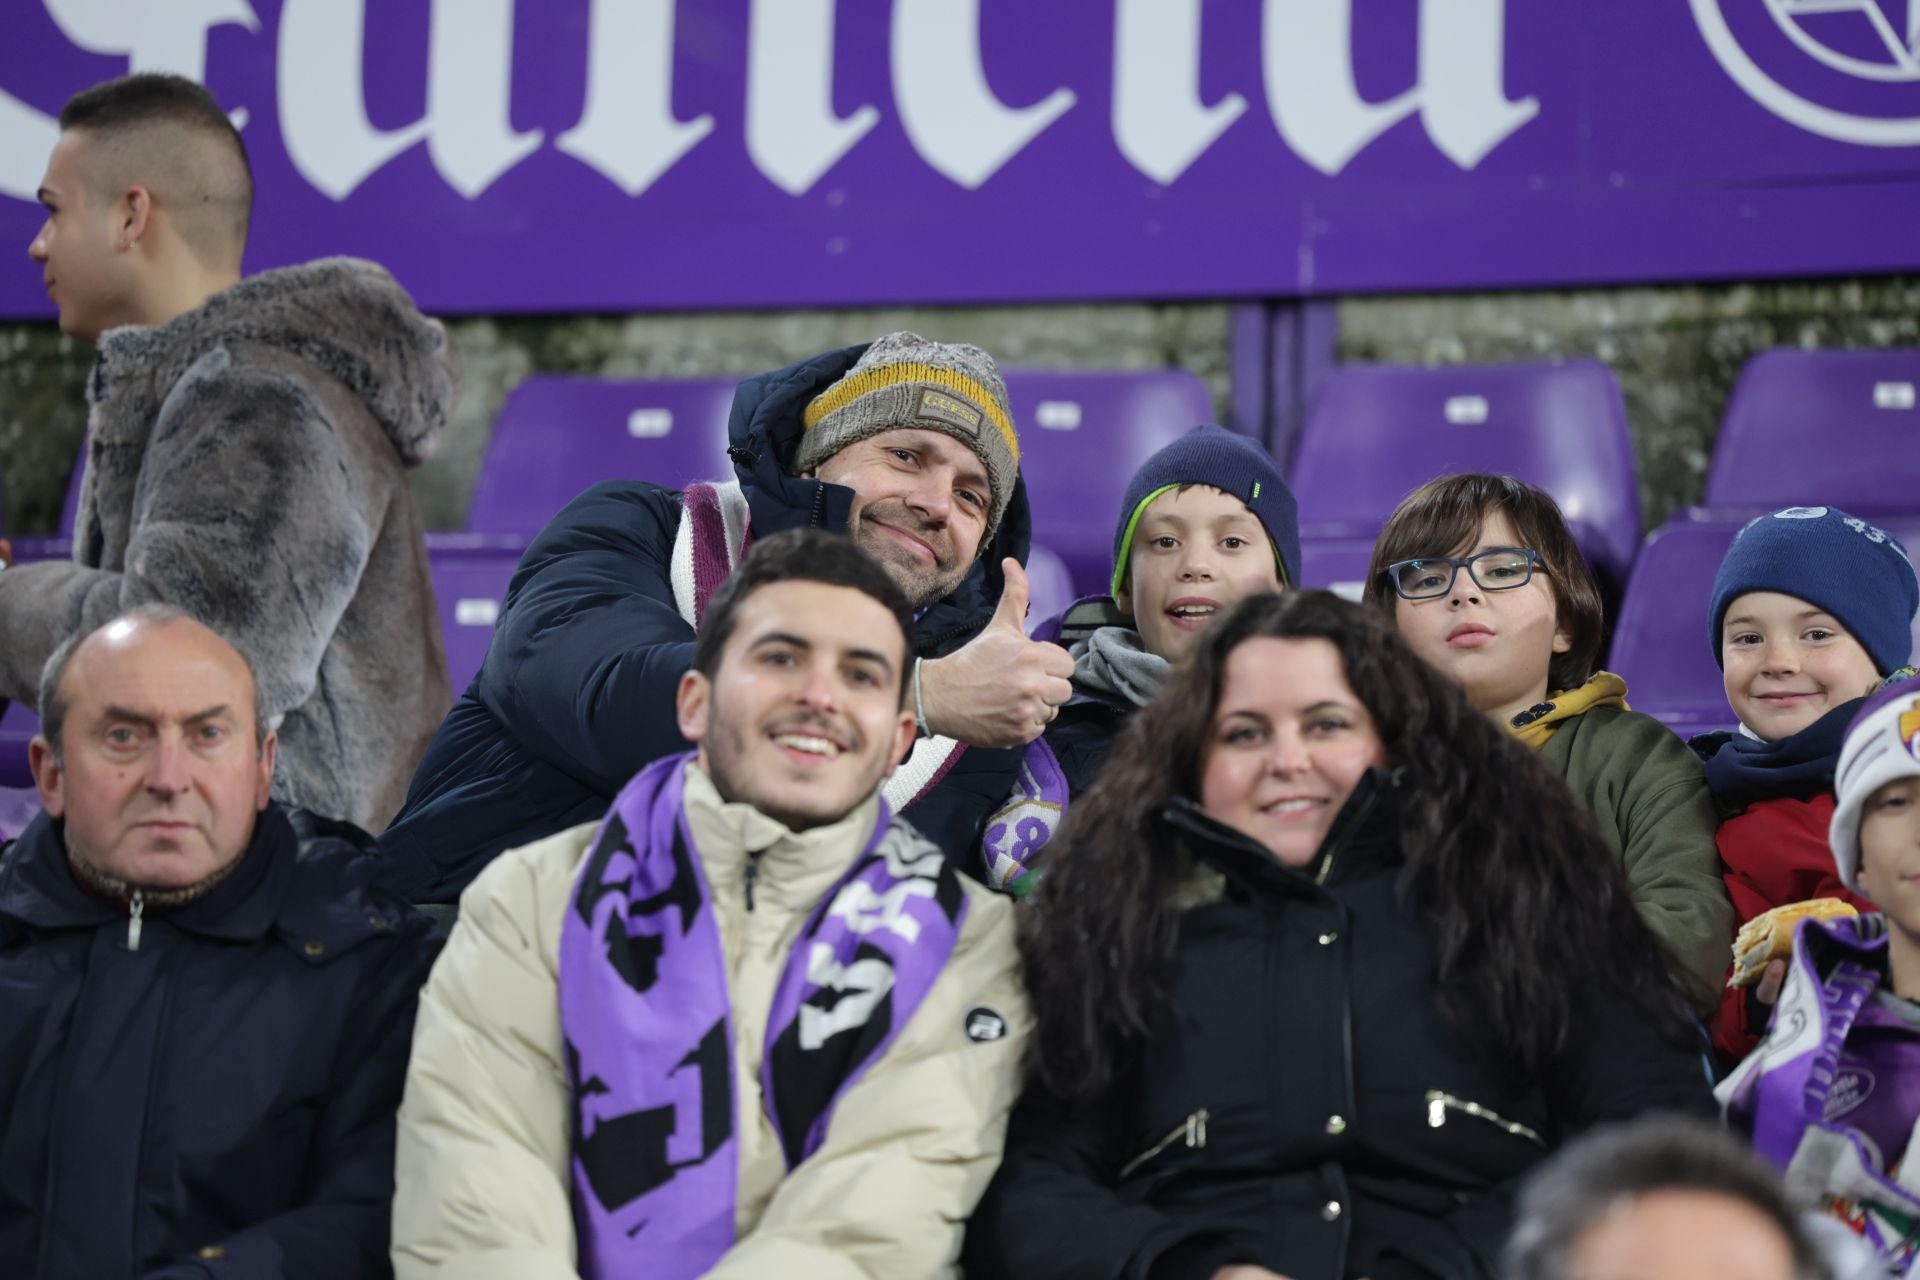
(1321, 966)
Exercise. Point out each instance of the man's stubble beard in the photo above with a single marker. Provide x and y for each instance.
(920, 585)
(724, 750)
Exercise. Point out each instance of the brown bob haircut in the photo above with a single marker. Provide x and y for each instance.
(1443, 518)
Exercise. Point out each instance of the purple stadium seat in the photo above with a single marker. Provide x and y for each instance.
(1050, 587)
(1839, 427)
(17, 727)
(18, 724)
(1661, 647)
(557, 436)
(1376, 432)
(1082, 436)
(470, 577)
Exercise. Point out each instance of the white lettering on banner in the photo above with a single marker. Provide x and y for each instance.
(861, 984)
(26, 139)
(793, 135)
(1317, 107)
(940, 89)
(169, 38)
(323, 106)
(1159, 122)
(628, 131)
(1463, 60)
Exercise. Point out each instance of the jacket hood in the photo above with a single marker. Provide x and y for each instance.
(347, 317)
(763, 433)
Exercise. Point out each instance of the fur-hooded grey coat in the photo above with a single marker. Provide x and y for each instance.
(246, 462)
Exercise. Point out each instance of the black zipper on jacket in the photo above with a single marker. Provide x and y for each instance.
(753, 874)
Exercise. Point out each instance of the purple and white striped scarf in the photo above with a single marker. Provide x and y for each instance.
(649, 1031)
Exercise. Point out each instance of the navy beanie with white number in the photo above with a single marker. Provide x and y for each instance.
(1835, 562)
(1231, 463)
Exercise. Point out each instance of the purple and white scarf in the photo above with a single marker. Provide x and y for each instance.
(649, 1031)
(1828, 1095)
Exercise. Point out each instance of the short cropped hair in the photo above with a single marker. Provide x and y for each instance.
(1597, 1174)
(167, 132)
(53, 705)
(1443, 517)
(799, 555)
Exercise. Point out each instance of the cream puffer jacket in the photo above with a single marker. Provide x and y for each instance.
(483, 1179)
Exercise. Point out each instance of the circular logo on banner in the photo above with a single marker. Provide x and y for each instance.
(1844, 69)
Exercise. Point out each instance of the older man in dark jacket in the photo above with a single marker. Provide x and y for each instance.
(205, 1012)
(905, 445)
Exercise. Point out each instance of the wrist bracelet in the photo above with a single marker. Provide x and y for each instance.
(919, 705)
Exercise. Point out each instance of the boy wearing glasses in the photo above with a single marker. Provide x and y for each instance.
(1484, 579)
(1811, 610)
(1204, 523)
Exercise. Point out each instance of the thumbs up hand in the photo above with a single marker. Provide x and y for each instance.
(1000, 689)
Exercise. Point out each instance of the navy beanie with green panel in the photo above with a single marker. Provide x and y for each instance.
(1835, 562)
(1229, 462)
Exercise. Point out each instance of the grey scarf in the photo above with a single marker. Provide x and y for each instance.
(1112, 661)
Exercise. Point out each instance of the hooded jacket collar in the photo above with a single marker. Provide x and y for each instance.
(1363, 839)
(764, 430)
(38, 889)
(347, 317)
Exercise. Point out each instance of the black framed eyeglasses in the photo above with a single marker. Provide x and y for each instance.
(1496, 569)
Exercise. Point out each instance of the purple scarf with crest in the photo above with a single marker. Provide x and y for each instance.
(649, 1033)
(1834, 1063)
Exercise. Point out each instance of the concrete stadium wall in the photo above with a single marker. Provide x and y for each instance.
(1676, 351)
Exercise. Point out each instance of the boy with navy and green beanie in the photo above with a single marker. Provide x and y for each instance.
(1812, 610)
(1204, 522)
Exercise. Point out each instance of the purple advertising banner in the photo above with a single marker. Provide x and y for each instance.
(567, 155)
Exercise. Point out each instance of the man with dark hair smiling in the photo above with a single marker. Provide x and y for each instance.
(207, 1011)
(751, 1024)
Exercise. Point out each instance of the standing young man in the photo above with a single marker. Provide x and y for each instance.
(248, 442)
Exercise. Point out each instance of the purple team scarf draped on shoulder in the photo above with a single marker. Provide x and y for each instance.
(649, 1035)
(1833, 1089)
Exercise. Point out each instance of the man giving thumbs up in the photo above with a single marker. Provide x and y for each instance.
(908, 447)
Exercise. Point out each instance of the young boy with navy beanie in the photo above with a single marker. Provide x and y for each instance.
(1205, 522)
(1812, 609)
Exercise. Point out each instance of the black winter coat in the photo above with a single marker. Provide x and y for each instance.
(577, 691)
(220, 1102)
(1309, 1110)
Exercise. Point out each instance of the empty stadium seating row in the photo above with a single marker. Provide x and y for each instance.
(1373, 434)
